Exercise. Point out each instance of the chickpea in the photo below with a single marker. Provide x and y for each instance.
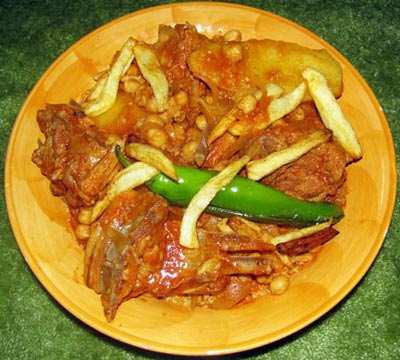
(193, 134)
(82, 232)
(233, 35)
(176, 103)
(233, 51)
(154, 119)
(247, 103)
(181, 98)
(131, 86)
(238, 128)
(279, 284)
(85, 216)
(156, 136)
(298, 114)
(151, 105)
(176, 134)
(201, 122)
(189, 149)
(152, 129)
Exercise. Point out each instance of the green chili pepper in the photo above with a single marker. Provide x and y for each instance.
(242, 197)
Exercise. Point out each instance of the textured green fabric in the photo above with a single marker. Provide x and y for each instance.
(366, 325)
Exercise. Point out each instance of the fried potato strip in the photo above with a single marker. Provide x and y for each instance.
(95, 92)
(153, 157)
(222, 125)
(331, 112)
(297, 234)
(245, 105)
(188, 233)
(130, 177)
(285, 104)
(152, 72)
(257, 169)
(105, 92)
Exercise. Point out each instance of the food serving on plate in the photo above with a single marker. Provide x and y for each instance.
(204, 171)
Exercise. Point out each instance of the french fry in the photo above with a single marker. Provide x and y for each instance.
(153, 157)
(257, 169)
(188, 233)
(331, 112)
(152, 72)
(283, 105)
(130, 177)
(105, 93)
(98, 88)
(297, 234)
(246, 104)
(222, 125)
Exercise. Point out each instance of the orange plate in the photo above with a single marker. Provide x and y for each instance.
(41, 227)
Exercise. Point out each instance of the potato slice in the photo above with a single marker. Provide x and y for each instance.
(152, 72)
(331, 112)
(105, 93)
(130, 177)
(297, 234)
(257, 169)
(153, 157)
(188, 233)
(285, 104)
(264, 61)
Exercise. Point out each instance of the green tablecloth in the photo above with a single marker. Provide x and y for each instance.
(366, 325)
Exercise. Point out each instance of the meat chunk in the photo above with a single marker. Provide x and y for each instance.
(134, 249)
(320, 174)
(76, 157)
(123, 247)
(307, 243)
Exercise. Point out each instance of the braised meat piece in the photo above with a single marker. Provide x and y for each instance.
(320, 174)
(134, 249)
(76, 157)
